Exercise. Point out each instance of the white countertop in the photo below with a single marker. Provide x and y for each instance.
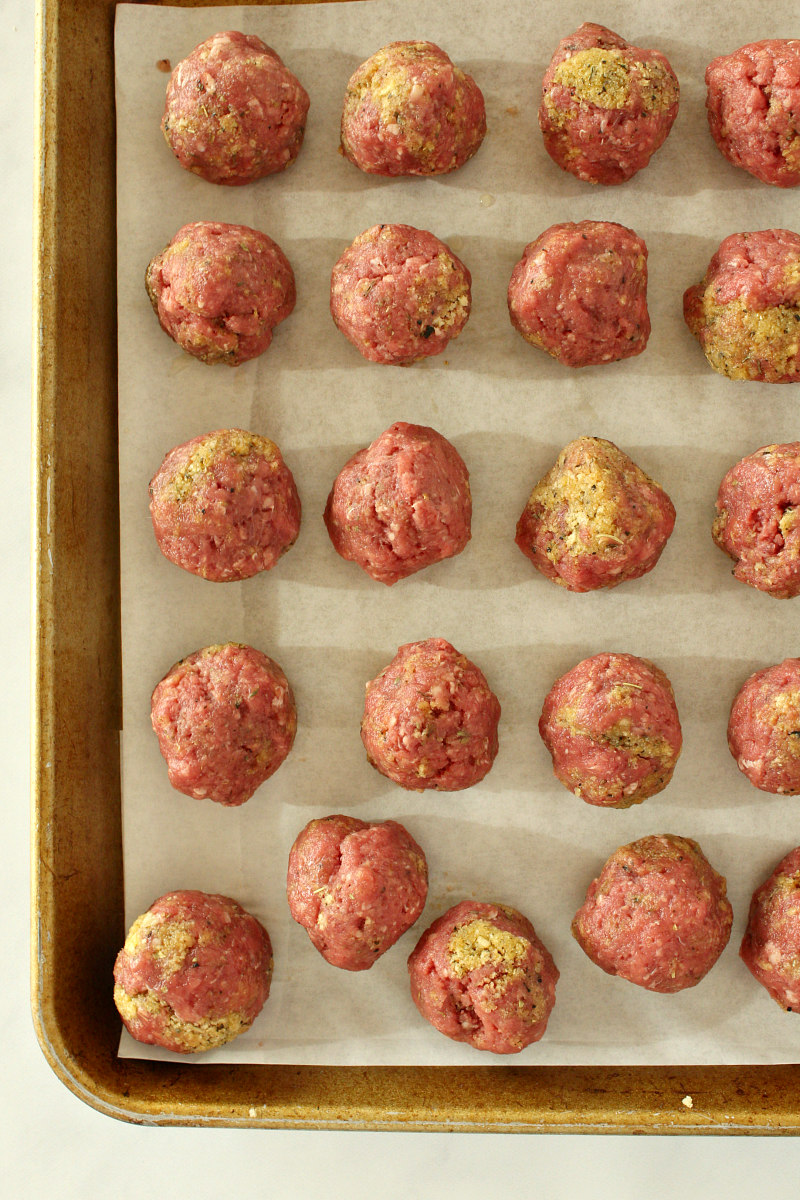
(53, 1145)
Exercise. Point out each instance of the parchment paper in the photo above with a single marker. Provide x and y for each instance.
(518, 837)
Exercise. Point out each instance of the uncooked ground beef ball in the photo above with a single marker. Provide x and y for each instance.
(430, 719)
(219, 291)
(580, 293)
(224, 505)
(764, 728)
(355, 887)
(758, 519)
(399, 294)
(596, 519)
(234, 112)
(225, 720)
(401, 504)
(657, 915)
(753, 105)
(194, 973)
(771, 944)
(606, 106)
(480, 975)
(745, 311)
(409, 111)
(611, 726)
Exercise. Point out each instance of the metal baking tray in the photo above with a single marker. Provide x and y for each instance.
(77, 875)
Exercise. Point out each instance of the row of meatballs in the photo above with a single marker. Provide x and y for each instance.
(226, 719)
(195, 969)
(225, 507)
(400, 295)
(235, 113)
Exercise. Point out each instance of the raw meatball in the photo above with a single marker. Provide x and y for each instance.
(430, 719)
(657, 915)
(580, 293)
(409, 111)
(745, 312)
(611, 725)
(225, 720)
(194, 972)
(764, 728)
(480, 975)
(224, 505)
(399, 294)
(219, 291)
(595, 520)
(401, 504)
(753, 107)
(234, 112)
(355, 887)
(606, 106)
(771, 944)
(758, 519)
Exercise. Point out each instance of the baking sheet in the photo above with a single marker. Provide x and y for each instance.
(518, 837)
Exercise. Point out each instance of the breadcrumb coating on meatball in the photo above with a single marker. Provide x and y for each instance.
(605, 78)
(743, 344)
(235, 443)
(479, 942)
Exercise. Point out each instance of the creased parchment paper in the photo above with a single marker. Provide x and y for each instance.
(518, 837)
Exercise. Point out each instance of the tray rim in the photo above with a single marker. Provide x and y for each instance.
(496, 1098)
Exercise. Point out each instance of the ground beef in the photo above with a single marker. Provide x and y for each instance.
(399, 294)
(771, 944)
(611, 726)
(355, 887)
(753, 105)
(595, 520)
(480, 975)
(234, 112)
(657, 915)
(194, 972)
(764, 728)
(224, 505)
(401, 504)
(225, 720)
(430, 719)
(580, 293)
(758, 519)
(745, 312)
(606, 106)
(219, 291)
(409, 111)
